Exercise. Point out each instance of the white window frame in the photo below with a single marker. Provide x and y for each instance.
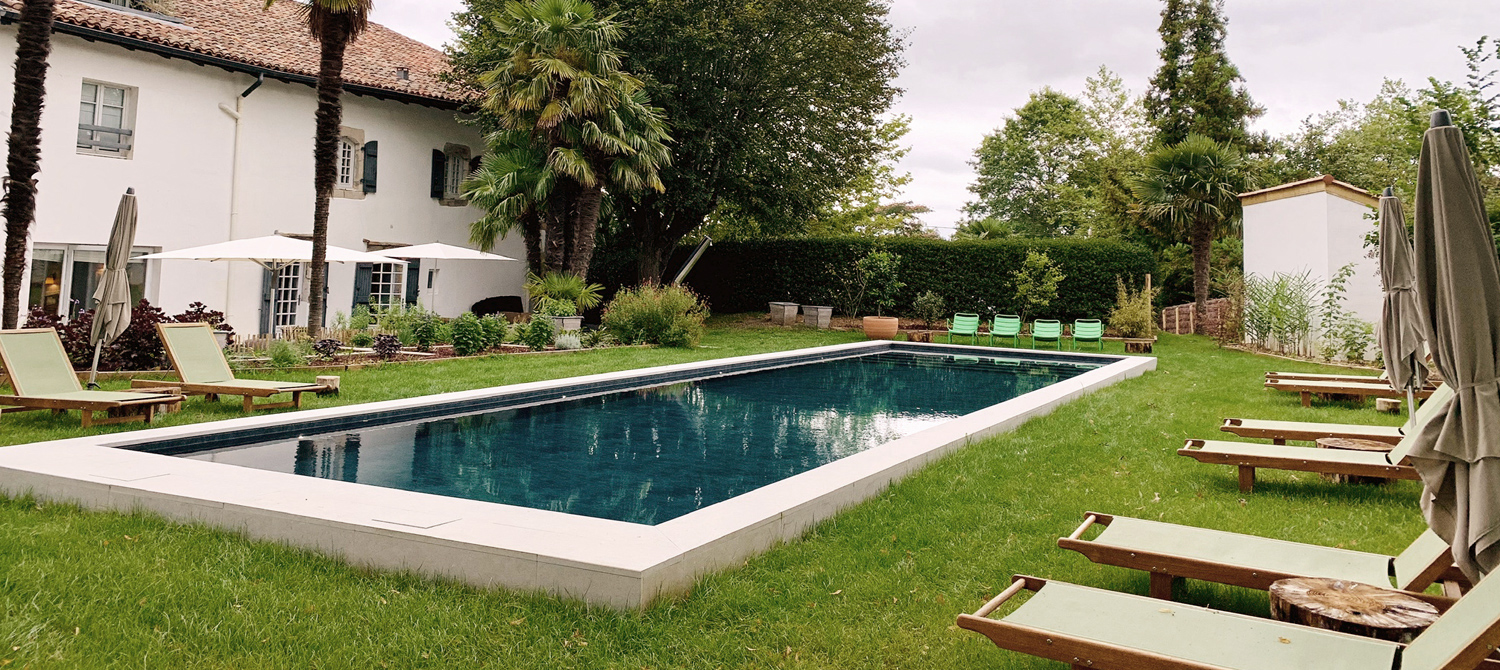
(286, 295)
(127, 119)
(453, 177)
(65, 295)
(387, 284)
(345, 163)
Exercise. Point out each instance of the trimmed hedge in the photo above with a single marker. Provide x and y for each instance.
(972, 275)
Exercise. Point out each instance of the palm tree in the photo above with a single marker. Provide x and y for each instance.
(562, 85)
(335, 23)
(1192, 189)
(511, 185)
(984, 229)
(33, 44)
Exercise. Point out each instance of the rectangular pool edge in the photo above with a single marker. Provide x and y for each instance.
(604, 562)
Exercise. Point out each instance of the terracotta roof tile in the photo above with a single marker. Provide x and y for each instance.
(245, 32)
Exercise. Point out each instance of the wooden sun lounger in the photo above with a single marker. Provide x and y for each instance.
(195, 355)
(1317, 377)
(1310, 388)
(43, 379)
(1281, 431)
(1248, 456)
(1094, 628)
(1172, 552)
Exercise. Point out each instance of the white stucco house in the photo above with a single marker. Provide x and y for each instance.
(1316, 225)
(209, 114)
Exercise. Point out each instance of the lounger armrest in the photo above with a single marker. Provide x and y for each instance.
(1018, 583)
(1192, 445)
(1089, 519)
(1231, 423)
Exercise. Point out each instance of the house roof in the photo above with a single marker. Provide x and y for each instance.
(244, 35)
(1321, 184)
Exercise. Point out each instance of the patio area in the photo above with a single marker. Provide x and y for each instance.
(877, 586)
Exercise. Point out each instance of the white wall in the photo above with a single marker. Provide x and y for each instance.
(1348, 224)
(181, 166)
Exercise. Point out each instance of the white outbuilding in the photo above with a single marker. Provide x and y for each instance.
(1317, 225)
(207, 110)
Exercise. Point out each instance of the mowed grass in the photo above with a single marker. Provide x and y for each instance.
(876, 587)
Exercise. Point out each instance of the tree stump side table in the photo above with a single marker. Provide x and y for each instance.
(1350, 444)
(1351, 607)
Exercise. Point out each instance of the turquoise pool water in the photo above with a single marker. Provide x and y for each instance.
(654, 454)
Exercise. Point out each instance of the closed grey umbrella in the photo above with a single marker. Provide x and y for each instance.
(1457, 454)
(1400, 324)
(112, 299)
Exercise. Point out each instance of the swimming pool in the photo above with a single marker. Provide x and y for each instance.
(478, 540)
(653, 454)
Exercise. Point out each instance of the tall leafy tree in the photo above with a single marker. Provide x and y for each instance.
(772, 105)
(334, 23)
(868, 205)
(553, 79)
(1197, 89)
(33, 45)
(1191, 189)
(1027, 169)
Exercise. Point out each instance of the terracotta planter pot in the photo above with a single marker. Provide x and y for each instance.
(881, 327)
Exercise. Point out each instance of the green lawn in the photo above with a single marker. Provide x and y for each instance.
(877, 587)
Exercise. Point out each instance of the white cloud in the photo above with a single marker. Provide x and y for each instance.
(971, 62)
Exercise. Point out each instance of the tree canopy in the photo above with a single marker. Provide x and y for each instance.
(1197, 89)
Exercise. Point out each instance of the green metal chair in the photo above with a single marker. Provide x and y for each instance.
(1006, 325)
(1088, 330)
(1046, 330)
(965, 324)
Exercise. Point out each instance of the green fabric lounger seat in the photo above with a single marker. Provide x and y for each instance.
(1094, 628)
(42, 378)
(1088, 330)
(1170, 552)
(1006, 325)
(196, 357)
(1281, 431)
(965, 324)
(1046, 330)
(1310, 388)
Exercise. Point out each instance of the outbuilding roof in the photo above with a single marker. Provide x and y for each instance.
(1320, 184)
(244, 35)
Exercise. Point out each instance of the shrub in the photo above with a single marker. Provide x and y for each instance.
(387, 346)
(494, 329)
(362, 339)
(537, 333)
(930, 308)
(598, 337)
(568, 340)
(200, 313)
(360, 319)
(1279, 311)
(285, 354)
(882, 282)
(667, 315)
(326, 349)
(468, 335)
(1036, 282)
(138, 348)
(1134, 315)
(555, 307)
(564, 286)
(970, 275)
(425, 329)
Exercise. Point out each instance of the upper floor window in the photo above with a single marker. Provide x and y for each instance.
(106, 116)
(347, 153)
(450, 167)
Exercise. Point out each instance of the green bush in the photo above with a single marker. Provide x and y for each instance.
(426, 330)
(1134, 315)
(362, 339)
(930, 308)
(970, 276)
(1036, 283)
(284, 354)
(495, 329)
(667, 315)
(537, 333)
(361, 319)
(468, 335)
(568, 340)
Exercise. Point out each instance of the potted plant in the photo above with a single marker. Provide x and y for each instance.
(879, 269)
(563, 297)
(929, 308)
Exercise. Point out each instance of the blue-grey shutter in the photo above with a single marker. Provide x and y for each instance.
(362, 279)
(372, 156)
(267, 288)
(413, 276)
(439, 165)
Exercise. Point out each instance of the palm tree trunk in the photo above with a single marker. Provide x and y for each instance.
(1202, 235)
(557, 218)
(334, 39)
(33, 44)
(531, 233)
(585, 229)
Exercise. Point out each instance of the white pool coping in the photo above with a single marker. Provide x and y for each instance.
(599, 561)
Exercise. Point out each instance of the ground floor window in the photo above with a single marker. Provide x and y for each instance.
(386, 285)
(64, 278)
(286, 294)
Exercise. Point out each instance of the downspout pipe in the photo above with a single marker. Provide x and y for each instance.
(237, 113)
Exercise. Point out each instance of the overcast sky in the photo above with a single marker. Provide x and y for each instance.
(970, 62)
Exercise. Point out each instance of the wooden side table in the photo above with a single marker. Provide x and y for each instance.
(1351, 444)
(1351, 607)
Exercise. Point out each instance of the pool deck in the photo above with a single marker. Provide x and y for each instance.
(599, 561)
